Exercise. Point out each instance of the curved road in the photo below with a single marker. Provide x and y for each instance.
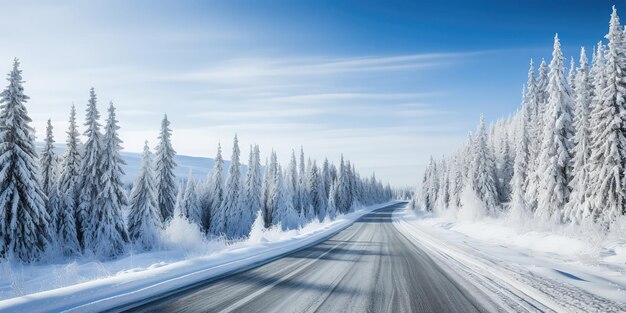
(367, 267)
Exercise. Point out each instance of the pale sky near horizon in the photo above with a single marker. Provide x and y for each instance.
(385, 83)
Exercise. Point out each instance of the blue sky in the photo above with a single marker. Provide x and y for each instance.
(386, 83)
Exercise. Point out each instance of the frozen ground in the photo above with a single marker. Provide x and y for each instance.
(563, 269)
(87, 285)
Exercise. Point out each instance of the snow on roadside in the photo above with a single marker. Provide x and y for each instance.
(88, 286)
(525, 268)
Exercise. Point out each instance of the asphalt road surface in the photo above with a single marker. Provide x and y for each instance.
(367, 267)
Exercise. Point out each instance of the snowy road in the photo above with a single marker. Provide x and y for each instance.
(367, 267)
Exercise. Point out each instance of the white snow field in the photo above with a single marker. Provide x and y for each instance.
(187, 258)
(524, 269)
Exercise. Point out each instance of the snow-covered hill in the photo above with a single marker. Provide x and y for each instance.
(200, 166)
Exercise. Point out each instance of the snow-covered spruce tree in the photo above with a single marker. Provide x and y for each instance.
(443, 198)
(48, 167)
(68, 191)
(352, 179)
(164, 169)
(318, 194)
(304, 201)
(343, 203)
(483, 172)
(607, 142)
(180, 193)
(217, 192)
(106, 232)
(308, 211)
(577, 205)
(228, 219)
(204, 189)
(556, 148)
(188, 206)
(430, 186)
(425, 200)
(332, 201)
(253, 190)
(542, 96)
(24, 229)
(292, 181)
(571, 76)
(89, 185)
(47, 162)
(326, 178)
(597, 74)
(535, 121)
(518, 204)
(506, 167)
(144, 218)
(266, 198)
(457, 182)
(283, 213)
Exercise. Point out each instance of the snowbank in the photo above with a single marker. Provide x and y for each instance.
(187, 258)
(562, 268)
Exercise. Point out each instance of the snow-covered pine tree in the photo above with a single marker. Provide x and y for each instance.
(292, 181)
(89, 185)
(189, 207)
(106, 232)
(318, 193)
(535, 118)
(483, 172)
(577, 205)
(283, 213)
(47, 162)
(571, 76)
(518, 204)
(68, 190)
(308, 211)
(343, 189)
(607, 142)
(144, 218)
(217, 191)
(48, 167)
(304, 200)
(452, 167)
(332, 201)
(443, 197)
(597, 74)
(266, 197)
(542, 96)
(326, 178)
(164, 169)
(229, 217)
(352, 179)
(556, 149)
(204, 189)
(253, 190)
(24, 228)
(506, 168)
(427, 200)
(468, 154)
(180, 194)
(459, 181)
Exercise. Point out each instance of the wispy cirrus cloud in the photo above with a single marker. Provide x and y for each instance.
(246, 69)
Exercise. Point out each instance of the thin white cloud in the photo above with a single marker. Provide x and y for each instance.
(327, 97)
(246, 69)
